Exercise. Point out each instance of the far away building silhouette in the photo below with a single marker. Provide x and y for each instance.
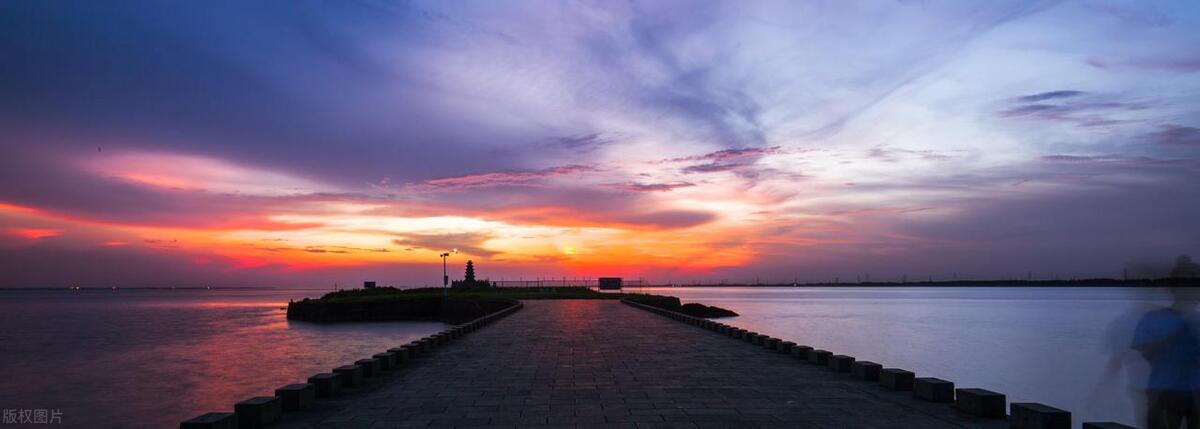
(469, 281)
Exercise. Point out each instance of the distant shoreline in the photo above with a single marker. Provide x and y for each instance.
(1186, 282)
(972, 283)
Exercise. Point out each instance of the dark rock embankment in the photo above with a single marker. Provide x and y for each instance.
(673, 304)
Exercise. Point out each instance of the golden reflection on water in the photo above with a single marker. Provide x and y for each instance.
(160, 357)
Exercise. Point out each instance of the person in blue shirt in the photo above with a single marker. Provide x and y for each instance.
(1166, 338)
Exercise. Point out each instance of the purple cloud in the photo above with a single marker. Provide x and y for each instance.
(1114, 159)
(669, 219)
(1077, 107)
(712, 168)
(1050, 95)
(729, 154)
(503, 177)
(1167, 64)
(471, 243)
(1176, 135)
(650, 187)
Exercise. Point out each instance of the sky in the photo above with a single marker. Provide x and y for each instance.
(233, 143)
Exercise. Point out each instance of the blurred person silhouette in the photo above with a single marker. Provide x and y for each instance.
(1122, 387)
(1166, 339)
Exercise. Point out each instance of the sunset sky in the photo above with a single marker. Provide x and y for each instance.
(305, 143)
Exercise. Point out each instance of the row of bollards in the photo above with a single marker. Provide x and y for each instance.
(262, 411)
(975, 402)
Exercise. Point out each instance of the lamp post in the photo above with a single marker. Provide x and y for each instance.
(445, 277)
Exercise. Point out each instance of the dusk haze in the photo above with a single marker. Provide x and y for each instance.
(200, 143)
(593, 213)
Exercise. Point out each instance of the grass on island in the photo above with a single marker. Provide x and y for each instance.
(387, 295)
(362, 295)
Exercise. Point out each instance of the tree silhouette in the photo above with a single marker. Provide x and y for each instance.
(470, 276)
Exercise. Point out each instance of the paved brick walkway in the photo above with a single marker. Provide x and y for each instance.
(592, 363)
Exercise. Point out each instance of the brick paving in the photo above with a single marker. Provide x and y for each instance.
(600, 363)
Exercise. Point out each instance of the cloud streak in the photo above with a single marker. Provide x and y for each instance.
(326, 142)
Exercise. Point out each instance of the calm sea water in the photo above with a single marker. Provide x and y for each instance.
(1064, 347)
(152, 358)
(138, 358)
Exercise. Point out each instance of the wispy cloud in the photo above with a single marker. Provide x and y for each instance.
(650, 187)
(766, 138)
(1066, 93)
(499, 178)
(1114, 159)
(580, 143)
(470, 242)
(1081, 108)
(1176, 135)
(712, 167)
(727, 155)
(1184, 64)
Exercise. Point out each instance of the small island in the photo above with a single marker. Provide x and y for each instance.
(468, 299)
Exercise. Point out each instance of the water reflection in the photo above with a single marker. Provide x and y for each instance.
(154, 358)
(1048, 345)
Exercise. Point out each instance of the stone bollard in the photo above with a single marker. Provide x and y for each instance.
(257, 412)
(1032, 415)
(865, 370)
(786, 347)
(980, 403)
(371, 367)
(801, 352)
(840, 363)
(211, 421)
(297, 396)
(387, 360)
(1106, 425)
(772, 343)
(328, 384)
(401, 355)
(933, 389)
(896, 379)
(819, 357)
(352, 375)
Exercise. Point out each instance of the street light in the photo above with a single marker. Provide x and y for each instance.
(445, 277)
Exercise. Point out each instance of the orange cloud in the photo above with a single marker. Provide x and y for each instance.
(33, 233)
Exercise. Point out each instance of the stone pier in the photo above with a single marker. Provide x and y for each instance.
(601, 363)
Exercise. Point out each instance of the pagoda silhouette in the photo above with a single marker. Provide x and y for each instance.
(469, 281)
